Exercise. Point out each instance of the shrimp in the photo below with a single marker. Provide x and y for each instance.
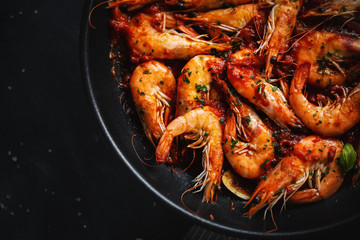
(193, 4)
(131, 4)
(229, 19)
(147, 41)
(242, 69)
(248, 157)
(205, 4)
(193, 88)
(314, 160)
(208, 134)
(333, 119)
(326, 51)
(335, 8)
(281, 23)
(152, 87)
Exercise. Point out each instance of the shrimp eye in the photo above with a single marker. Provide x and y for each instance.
(273, 59)
(180, 4)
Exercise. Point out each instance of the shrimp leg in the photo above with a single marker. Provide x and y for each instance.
(310, 154)
(208, 134)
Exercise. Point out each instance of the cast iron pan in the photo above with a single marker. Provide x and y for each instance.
(168, 185)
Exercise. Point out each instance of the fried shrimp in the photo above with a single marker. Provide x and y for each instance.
(273, 86)
(147, 40)
(248, 143)
(203, 126)
(242, 70)
(152, 87)
(326, 51)
(131, 4)
(193, 4)
(229, 19)
(281, 23)
(333, 119)
(205, 4)
(193, 88)
(313, 159)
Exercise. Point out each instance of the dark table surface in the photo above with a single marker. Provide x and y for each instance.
(59, 177)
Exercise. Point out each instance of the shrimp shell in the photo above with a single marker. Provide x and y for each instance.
(332, 119)
(208, 134)
(193, 88)
(242, 70)
(146, 40)
(313, 158)
(152, 87)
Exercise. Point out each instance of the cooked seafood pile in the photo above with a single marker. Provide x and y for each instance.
(268, 89)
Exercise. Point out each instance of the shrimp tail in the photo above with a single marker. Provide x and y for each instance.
(209, 191)
(163, 148)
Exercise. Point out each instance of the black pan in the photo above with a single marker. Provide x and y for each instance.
(103, 92)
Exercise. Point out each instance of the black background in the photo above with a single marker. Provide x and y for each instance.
(59, 177)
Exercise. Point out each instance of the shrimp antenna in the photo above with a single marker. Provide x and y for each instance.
(255, 25)
(185, 169)
(186, 191)
(306, 32)
(146, 159)
(273, 220)
(92, 9)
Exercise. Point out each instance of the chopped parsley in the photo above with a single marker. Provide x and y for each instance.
(233, 143)
(201, 88)
(186, 79)
(248, 119)
(202, 101)
(264, 163)
(141, 93)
